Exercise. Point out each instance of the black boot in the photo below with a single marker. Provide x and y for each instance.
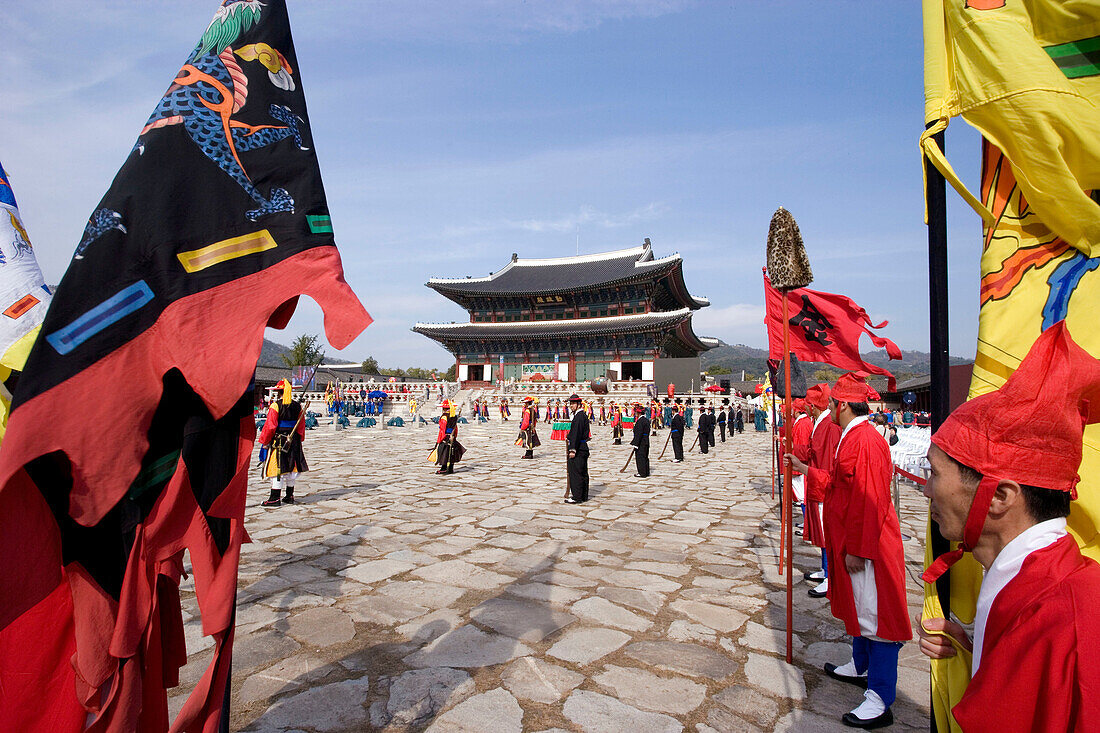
(288, 497)
(272, 500)
(529, 454)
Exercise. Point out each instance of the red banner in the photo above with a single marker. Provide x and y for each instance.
(825, 327)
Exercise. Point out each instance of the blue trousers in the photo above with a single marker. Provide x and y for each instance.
(879, 659)
(824, 562)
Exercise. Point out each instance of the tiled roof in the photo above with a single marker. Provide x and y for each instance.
(563, 274)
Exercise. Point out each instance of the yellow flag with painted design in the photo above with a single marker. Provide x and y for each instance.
(24, 296)
(1027, 75)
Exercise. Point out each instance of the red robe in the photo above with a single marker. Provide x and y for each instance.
(860, 521)
(822, 452)
(800, 442)
(1038, 668)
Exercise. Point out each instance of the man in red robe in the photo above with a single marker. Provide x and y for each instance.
(824, 436)
(801, 427)
(1004, 469)
(865, 555)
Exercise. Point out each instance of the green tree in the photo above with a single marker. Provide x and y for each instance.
(452, 373)
(389, 372)
(370, 365)
(716, 369)
(305, 351)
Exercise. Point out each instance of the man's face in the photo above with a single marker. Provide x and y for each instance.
(951, 496)
(834, 411)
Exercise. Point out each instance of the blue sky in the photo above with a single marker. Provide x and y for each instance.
(451, 134)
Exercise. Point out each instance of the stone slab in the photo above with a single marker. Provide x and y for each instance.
(595, 713)
(584, 646)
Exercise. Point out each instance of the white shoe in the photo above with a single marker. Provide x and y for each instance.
(871, 707)
(818, 576)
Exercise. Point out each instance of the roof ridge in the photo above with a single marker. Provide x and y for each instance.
(617, 254)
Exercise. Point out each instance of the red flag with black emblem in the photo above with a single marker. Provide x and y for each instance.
(825, 327)
(131, 430)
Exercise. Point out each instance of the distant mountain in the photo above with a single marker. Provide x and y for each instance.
(271, 354)
(754, 362)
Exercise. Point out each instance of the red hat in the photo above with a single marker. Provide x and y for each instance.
(851, 387)
(528, 398)
(799, 404)
(818, 395)
(1029, 431)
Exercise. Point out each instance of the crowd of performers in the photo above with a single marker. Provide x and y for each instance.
(1001, 485)
(571, 422)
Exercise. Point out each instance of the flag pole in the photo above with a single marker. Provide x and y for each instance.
(787, 488)
(776, 467)
(936, 198)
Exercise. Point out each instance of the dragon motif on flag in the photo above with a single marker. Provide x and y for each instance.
(211, 88)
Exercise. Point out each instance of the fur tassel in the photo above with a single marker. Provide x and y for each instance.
(788, 266)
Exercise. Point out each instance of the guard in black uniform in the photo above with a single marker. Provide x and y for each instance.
(722, 423)
(676, 426)
(712, 423)
(704, 426)
(576, 443)
(641, 442)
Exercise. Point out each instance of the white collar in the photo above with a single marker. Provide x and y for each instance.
(856, 421)
(821, 418)
(1004, 568)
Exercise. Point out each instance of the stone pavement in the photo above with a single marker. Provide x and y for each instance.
(392, 599)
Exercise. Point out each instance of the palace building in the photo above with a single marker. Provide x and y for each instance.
(624, 315)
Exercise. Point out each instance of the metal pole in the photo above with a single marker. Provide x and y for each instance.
(936, 197)
(938, 332)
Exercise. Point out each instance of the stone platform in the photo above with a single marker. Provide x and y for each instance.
(393, 599)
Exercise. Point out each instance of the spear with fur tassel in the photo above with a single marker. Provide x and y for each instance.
(789, 268)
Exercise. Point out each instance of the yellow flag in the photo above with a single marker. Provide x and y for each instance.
(1027, 75)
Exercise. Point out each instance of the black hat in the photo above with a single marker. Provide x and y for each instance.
(667, 400)
(725, 400)
(575, 398)
(678, 400)
(702, 401)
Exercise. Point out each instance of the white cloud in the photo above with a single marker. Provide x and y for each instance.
(585, 216)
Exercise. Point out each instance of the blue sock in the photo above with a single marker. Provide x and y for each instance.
(882, 672)
(825, 563)
(861, 654)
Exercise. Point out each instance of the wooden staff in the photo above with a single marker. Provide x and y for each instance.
(666, 446)
(629, 459)
(693, 443)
